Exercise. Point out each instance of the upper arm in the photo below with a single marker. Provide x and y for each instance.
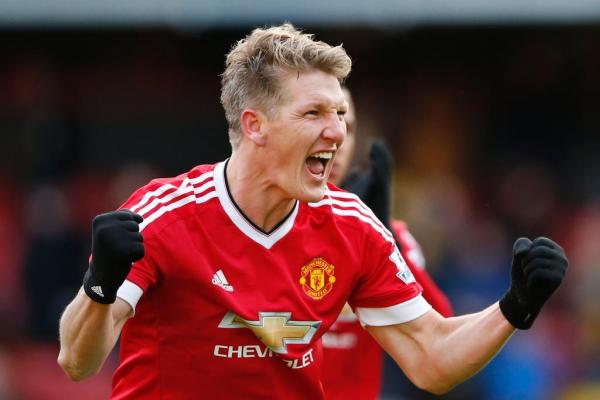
(437, 353)
(408, 339)
(410, 344)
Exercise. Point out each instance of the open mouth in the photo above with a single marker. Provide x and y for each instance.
(317, 163)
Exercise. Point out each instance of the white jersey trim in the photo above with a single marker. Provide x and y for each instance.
(362, 206)
(400, 313)
(148, 195)
(264, 239)
(131, 293)
(162, 189)
(182, 190)
(361, 211)
(149, 211)
(176, 204)
(351, 196)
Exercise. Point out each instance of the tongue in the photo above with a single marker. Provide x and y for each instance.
(315, 166)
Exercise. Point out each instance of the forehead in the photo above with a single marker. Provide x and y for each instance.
(313, 87)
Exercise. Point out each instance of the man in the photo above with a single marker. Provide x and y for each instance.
(347, 347)
(240, 267)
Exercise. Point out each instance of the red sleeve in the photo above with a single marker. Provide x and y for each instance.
(145, 201)
(413, 255)
(386, 279)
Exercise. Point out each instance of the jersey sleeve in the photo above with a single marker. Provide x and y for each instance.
(387, 293)
(143, 274)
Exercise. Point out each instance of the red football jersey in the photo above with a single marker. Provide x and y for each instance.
(224, 310)
(348, 347)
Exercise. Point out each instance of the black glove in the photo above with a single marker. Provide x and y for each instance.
(116, 243)
(374, 186)
(538, 269)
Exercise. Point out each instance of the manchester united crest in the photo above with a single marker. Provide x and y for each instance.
(317, 278)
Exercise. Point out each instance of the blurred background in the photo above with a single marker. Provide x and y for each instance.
(491, 111)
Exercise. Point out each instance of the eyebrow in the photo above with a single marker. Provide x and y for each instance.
(321, 101)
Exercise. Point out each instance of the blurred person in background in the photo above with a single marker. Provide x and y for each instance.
(52, 264)
(347, 346)
(223, 279)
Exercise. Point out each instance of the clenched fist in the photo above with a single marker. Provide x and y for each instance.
(116, 244)
(538, 269)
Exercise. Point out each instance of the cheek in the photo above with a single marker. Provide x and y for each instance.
(346, 151)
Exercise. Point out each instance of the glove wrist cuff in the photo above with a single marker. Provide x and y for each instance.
(516, 312)
(96, 291)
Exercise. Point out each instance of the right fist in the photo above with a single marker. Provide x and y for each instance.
(116, 244)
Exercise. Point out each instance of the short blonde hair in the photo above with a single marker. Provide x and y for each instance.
(255, 64)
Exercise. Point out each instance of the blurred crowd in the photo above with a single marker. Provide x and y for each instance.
(495, 134)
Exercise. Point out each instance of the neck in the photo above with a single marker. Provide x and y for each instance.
(261, 201)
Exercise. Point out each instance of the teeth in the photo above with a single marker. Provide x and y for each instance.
(327, 155)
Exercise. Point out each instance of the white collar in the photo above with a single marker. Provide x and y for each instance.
(267, 240)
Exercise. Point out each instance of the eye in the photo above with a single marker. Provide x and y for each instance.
(312, 113)
(341, 115)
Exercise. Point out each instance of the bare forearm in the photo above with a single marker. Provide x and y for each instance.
(87, 335)
(467, 343)
(436, 353)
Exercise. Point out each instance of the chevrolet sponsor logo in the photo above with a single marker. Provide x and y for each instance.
(274, 329)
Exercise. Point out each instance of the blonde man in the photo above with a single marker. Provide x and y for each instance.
(223, 279)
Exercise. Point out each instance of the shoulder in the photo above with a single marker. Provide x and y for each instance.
(164, 199)
(350, 213)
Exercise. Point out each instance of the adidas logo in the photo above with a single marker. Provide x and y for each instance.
(220, 280)
(97, 290)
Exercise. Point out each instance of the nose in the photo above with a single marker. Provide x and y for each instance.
(335, 130)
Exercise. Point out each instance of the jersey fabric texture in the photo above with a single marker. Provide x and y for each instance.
(224, 310)
(352, 360)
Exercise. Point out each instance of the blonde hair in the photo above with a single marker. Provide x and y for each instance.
(255, 64)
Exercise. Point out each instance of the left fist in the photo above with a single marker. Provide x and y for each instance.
(538, 269)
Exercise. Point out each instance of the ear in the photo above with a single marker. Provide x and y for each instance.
(252, 124)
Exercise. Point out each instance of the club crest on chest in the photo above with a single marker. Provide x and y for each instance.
(317, 278)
